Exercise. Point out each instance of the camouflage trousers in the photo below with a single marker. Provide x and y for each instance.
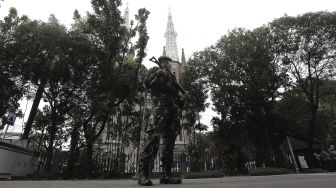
(165, 123)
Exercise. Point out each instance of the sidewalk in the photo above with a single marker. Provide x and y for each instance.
(323, 180)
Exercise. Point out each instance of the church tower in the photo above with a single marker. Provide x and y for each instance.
(171, 46)
(183, 61)
(126, 18)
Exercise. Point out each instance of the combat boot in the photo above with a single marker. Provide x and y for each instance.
(170, 180)
(144, 175)
(144, 181)
(166, 177)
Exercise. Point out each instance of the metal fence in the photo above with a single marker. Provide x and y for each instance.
(126, 164)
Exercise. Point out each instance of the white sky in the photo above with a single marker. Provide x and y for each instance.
(198, 23)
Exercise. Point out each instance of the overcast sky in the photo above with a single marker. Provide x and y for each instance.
(198, 23)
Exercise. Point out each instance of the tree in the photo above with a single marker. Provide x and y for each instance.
(12, 88)
(82, 73)
(39, 135)
(10, 93)
(244, 79)
(31, 51)
(306, 47)
(326, 116)
(107, 83)
(40, 54)
(194, 83)
(61, 83)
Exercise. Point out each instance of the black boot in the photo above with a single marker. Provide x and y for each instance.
(166, 177)
(170, 180)
(144, 181)
(144, 175)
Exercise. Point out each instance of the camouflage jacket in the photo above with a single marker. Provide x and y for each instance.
(161, 89)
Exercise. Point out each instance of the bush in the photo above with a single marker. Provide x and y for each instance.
(195, 175)
(313, 170)
(268, 171)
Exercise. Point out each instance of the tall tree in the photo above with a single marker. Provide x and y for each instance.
(244, 79)
(107, 83)
(192, 80)
(12, 87)
(31, 51)
(306, 46)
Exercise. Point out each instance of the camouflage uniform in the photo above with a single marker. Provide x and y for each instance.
(165, 122)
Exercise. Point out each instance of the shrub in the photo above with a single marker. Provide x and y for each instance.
(268, 171)
(195, 175)
(313, 170)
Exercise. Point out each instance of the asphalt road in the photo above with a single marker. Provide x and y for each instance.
(323, 180)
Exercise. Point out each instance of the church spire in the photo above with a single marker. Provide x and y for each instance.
(126, 17)
(170, 34)
(171, 46)
(164, 51)
(183, 59)
(183, 62)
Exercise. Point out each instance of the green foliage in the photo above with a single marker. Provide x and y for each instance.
(199, 149)
(194, 83)
(244, 81)
(142, 17)
(109, 89)
(10, 90)
(39, 135)
(326, 115)
(247, 69)
(293, 108)
(10, 93)
(198, 175)
(85, 75)
(268, 171)
(304, 45)
(313, 170)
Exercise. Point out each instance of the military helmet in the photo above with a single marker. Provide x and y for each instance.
(164, 57)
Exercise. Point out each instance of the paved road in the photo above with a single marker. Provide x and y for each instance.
(324, 180)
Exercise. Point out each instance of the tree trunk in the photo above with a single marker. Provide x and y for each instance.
(89, 163)
(34, 108)
(261, 152)
(73, 152)
(259, 158)
(312, 126)
(39, 150)
(50, 149)
(311, 131)
(279, 156)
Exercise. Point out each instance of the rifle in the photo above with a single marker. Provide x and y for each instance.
(171, 76)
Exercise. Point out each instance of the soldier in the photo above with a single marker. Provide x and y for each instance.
(166, 101)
